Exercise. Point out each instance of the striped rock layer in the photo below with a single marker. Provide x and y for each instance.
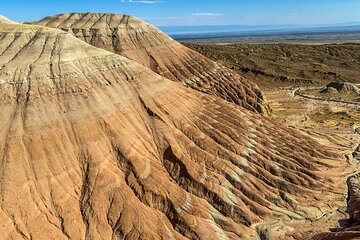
(96, 146)
(147, 45)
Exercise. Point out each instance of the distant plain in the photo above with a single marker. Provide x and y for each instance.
(292, 36)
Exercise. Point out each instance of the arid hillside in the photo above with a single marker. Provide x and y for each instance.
(288, 64)
(147, 45)
(94, 145)
(313, 88)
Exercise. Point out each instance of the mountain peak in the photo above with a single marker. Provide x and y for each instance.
(6, 20)
(139, 41)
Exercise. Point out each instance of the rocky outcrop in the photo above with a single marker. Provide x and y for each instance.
(342, 87)
(356, 153)
(96, 146)
(147, 45)
(352, 231)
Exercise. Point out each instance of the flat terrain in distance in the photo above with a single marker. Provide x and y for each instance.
(274, 65)
(293, 38)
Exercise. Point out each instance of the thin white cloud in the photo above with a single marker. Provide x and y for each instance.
(141, 1)
(207, 14)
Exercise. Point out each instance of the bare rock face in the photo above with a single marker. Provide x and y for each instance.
(147, 45)
(96, 146)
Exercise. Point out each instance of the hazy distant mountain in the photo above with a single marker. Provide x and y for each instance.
(239, 30)
(220, 28)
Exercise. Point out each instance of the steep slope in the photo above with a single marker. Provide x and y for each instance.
(147, 45)
(96, 146)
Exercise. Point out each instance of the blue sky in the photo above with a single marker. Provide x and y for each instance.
(196, 12)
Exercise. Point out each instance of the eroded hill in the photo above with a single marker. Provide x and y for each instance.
(147, 45)
(96, 146)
